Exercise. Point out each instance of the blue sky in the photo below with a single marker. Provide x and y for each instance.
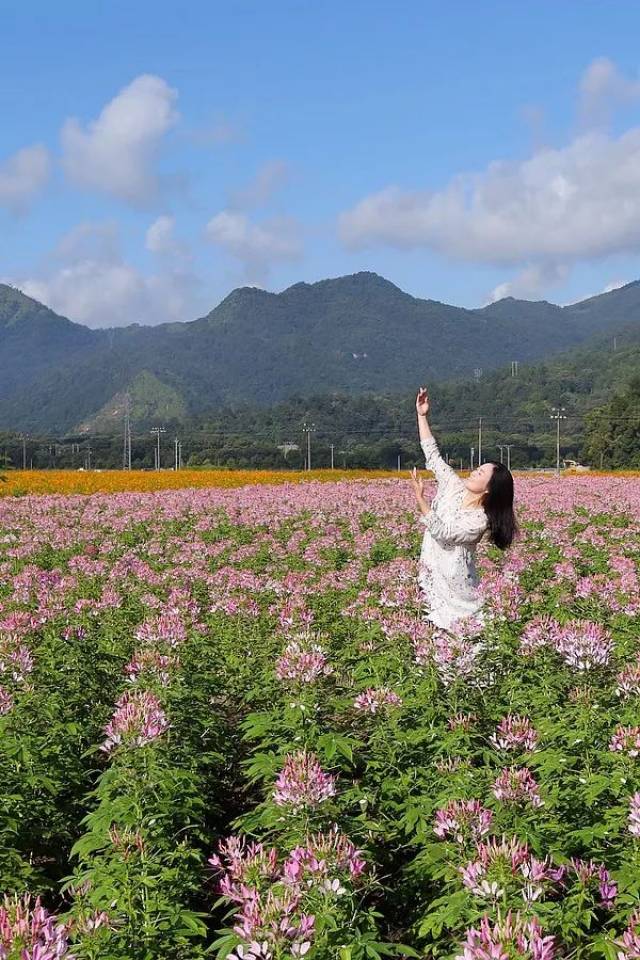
(154, 156)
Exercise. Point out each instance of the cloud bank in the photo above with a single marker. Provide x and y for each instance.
(540, 215)
(116, 153)
(22, 176)
(88, 280)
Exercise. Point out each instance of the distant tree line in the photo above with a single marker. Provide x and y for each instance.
(368, 431)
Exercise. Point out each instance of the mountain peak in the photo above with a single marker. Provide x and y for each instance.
(17, 308)
(362, 281)
(246, 294)
(13, 295)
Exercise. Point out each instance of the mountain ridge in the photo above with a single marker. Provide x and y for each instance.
(244, 292)
(354, 333)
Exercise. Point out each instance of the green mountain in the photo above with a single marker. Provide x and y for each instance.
(147, 396)
(595, 383)
(352, 335)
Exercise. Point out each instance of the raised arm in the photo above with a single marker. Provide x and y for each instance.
(444, 474)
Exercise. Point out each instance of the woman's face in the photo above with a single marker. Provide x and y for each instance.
(478, 479)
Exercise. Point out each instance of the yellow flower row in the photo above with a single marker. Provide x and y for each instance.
(20, 482)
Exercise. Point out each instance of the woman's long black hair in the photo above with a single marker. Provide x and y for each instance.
(498, 506)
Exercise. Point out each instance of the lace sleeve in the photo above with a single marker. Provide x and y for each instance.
(465, 527)
(444, 474)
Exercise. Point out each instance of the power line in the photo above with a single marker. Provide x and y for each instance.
(390, 433)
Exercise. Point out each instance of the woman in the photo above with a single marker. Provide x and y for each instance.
(461, 512)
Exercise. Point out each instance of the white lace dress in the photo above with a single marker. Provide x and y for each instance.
(447, 572)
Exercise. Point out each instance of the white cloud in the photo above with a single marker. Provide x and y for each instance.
(88, 241)
(602, 88)
(160, 237)
(535, 118)
(256, 245)
(218, 132)
(615, 285)
(88, 281)
(582, 200)
(22, 175)
(261, 187)
(79, 292)
(539, 216)
(115, 153)
(530, 282)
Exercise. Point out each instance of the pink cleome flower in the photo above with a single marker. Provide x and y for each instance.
(29, 931)
(628, 681)
(372, 700)
(511, 937)
(584, 645)
(157, 665)
(275, 898)
(16, 659)
(322, 859)
(302, 782)
(517, 786)
(462, 820)
(138, 719)
(166, 629)
(302, 662)
(6, 701)
(634, 815)
(540, 631)
(505, 862)
(515, 733)
(595, 875)
(461, 721)
(626, 740)
(455, 656)
(629, 943)
(243, 865)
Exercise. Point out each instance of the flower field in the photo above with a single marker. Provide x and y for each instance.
(24, 482)
(226, 729)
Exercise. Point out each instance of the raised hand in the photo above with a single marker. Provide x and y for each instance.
(422, 402)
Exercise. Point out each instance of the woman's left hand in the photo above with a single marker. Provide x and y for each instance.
(418, 482)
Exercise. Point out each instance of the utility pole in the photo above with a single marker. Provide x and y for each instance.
(398, 463)
(558, 415)
(179, 454)
(332, 446)
(615, 343)
(126, 452)
(500, 447)
(308, 428)
(514, 368)
(88, 460)
(508, 446)
(176, 458)
(157, 431)
(480, 441)
(24, 451)
(472, 453)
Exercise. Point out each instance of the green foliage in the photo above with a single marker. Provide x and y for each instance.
(343, 337)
